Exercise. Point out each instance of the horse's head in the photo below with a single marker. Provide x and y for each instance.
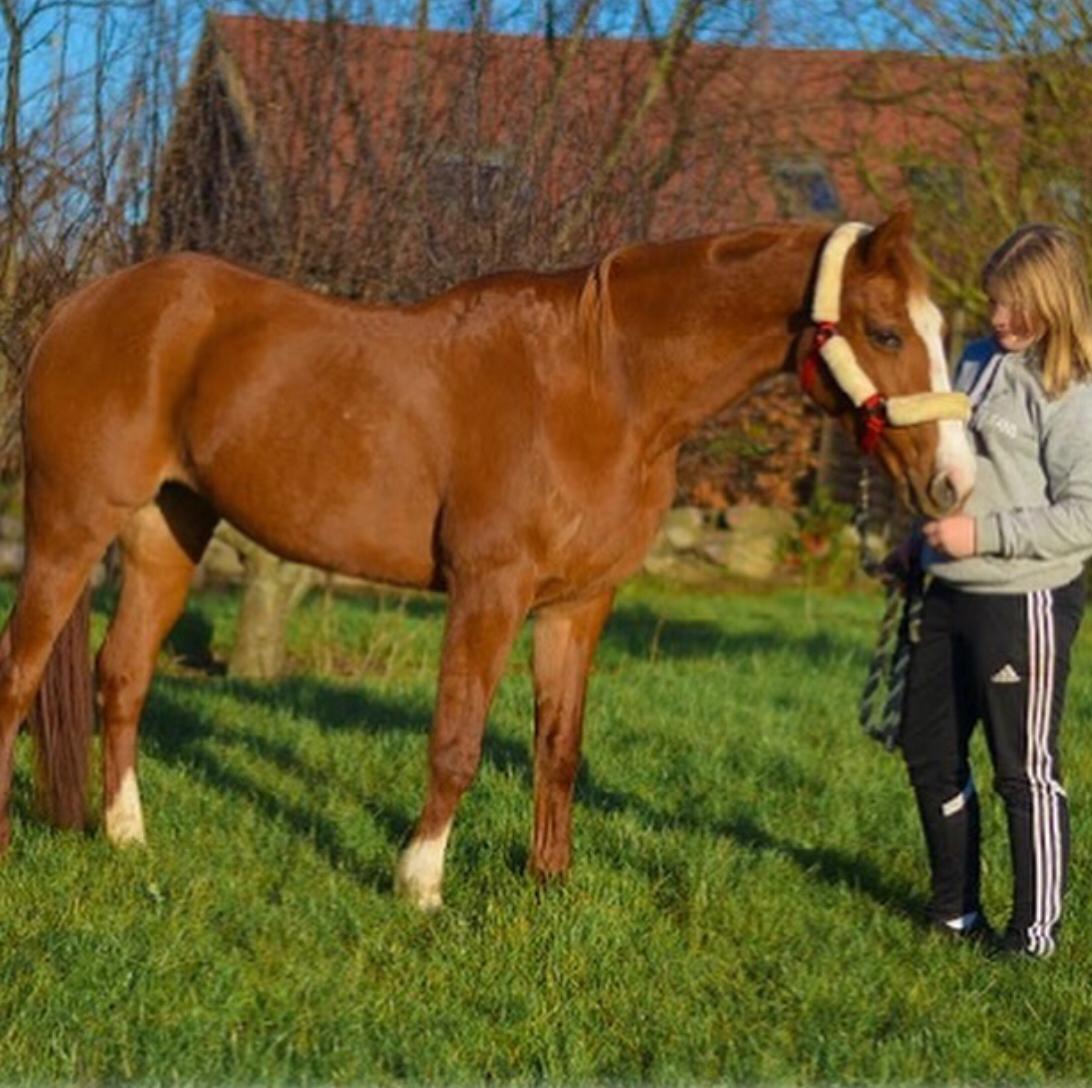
(875, 358)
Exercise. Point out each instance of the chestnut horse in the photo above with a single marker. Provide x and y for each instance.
(511, 442)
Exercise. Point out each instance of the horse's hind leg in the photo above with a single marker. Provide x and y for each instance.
(64, 542)
(483, 617)
(565, 641)
(160, 547)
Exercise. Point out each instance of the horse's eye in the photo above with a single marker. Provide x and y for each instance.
(885, 339)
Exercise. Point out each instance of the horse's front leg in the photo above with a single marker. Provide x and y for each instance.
(564, 644)
(484, 614)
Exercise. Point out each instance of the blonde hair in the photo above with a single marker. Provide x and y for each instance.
(1039, 272)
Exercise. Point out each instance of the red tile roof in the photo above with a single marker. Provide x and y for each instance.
(862, 115)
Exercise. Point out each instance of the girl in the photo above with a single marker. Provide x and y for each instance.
(1007, 594)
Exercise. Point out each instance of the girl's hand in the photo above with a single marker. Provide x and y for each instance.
(953, 537)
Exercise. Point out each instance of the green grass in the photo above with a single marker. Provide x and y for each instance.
(743, 906)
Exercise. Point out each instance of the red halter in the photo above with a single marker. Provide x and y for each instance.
(809, 368)
(871, 413)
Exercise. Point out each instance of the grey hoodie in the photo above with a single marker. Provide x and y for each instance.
(1032, 499)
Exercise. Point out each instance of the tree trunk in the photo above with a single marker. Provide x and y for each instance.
(273, 589)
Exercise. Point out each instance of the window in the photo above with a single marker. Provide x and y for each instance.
(804, 187)
(938, 184)
(470, 184)
(1065, 199)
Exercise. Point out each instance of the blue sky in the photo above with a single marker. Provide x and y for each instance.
(66, 36)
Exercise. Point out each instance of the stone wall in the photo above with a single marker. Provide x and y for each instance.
(745, 542)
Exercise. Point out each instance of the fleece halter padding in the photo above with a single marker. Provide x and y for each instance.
(876, 411)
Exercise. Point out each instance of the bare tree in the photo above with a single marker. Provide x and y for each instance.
(82, 99)
(1006, 99)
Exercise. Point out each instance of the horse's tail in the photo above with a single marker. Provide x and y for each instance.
(62, 721)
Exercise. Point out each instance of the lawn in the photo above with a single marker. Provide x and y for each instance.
(744, 904)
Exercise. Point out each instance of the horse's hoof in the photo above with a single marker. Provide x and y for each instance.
(123, 819)
(124, 832)
(549, 873)
(425, 897)
(420, 872)
(550, 879)
(126, 841)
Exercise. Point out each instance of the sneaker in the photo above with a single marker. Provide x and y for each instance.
(979, 933)
(1012, 943)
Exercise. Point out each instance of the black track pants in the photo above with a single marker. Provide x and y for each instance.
(1002, 659)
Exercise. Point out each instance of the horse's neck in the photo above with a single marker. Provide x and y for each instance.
(715, 335)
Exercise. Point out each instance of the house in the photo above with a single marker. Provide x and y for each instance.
(386, 163)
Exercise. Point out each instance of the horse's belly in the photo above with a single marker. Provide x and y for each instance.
(364, 540)
(317, 460)
(349, 511)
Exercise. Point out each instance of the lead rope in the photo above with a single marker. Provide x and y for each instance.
(899, 630)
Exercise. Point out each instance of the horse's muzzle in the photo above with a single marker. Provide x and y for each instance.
(944, 495)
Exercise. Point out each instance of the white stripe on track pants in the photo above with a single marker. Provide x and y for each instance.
(1002, 659)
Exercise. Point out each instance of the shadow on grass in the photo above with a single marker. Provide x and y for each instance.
(190, 641)
(828, 865)
(639, 632)
(179, 735)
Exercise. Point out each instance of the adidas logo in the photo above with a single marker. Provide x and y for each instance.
(1005, 675)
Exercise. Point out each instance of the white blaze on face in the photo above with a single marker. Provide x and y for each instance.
(955, 458)
(420, 871)
(124, 820)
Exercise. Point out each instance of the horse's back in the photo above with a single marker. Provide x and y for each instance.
(338, 417)
(258, 395)
(332, 433)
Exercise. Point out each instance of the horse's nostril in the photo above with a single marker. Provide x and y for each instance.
(943, 492)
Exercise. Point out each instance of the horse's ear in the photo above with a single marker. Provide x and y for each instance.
(890, 242)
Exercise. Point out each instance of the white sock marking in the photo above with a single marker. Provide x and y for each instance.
(420, 871)
(124, 820)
